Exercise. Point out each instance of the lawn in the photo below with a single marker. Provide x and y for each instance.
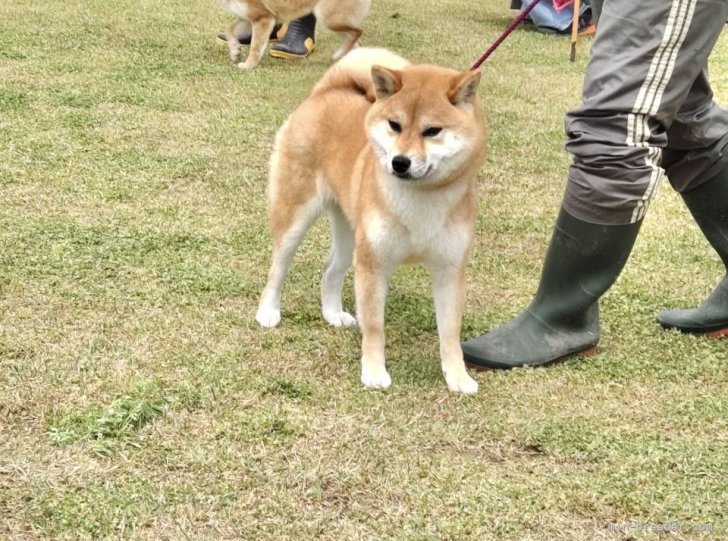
(140, 400)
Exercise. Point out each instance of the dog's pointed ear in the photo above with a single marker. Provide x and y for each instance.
(387, 82)
(464, 87)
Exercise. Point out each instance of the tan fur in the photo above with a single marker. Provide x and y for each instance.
(342, 16)
(335, 154)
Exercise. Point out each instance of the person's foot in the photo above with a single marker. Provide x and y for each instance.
(582, 262)
(278, 32)
(710, 318)
(298, 41)
(528, 340)
(588, 30)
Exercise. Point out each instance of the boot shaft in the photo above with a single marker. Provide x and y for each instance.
(582, 262)
(708, 203)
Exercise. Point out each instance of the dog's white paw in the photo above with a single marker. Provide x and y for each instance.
(460, 382)
(268, 317)
(343, 51)
(247, 65)
(375, 378)
(339, 319)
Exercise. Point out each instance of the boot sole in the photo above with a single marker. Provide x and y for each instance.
(712, 332)
(285, 55)
(288, 56)
(588, 352)
(722, 333)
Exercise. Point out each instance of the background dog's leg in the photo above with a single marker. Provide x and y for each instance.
(345, 17)
(288, 233)
(370, 285)
(261, 29)
(351, 37)
(332, 283)
(448, 284)
(235, 30)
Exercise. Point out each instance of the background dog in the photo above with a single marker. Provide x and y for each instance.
(390, 151)
(342, 16)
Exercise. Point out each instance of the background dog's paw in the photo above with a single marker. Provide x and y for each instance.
(375, 378)
(247, 65)
(461, 382)
(234, 53)
(268, 317)
(339, 319)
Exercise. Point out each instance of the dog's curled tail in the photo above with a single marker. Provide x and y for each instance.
(354, 71)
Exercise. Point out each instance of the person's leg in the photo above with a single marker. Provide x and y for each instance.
(632, 92)
(708, 204)
(298, 42)
(696, 162)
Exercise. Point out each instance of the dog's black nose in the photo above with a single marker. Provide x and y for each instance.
(401, 164)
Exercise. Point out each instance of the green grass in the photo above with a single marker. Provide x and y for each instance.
(139, 399)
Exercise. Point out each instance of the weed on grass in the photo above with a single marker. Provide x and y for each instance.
(106, 428)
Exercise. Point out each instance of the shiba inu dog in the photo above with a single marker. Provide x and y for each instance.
(390, 151)
(342, 16)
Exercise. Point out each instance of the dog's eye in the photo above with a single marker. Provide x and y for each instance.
(395, 126)
(431, 132)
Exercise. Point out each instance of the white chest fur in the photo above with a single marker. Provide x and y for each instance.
(420, 225)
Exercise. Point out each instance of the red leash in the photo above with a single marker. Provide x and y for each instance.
(511, 27)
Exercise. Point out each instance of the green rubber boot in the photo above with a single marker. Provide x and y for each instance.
(298, 42)
(582, 262)
(708, 203)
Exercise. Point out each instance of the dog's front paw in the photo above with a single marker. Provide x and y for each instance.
(339, 319)
(247, 65)
(268, 317)
(375, 378)
(460, 382)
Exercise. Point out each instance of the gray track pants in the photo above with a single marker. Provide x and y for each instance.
(647, 108)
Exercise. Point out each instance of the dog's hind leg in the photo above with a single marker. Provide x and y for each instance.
(238, 28)
(351, 39)
(345, 17)
(332, 283)
(289, 225)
